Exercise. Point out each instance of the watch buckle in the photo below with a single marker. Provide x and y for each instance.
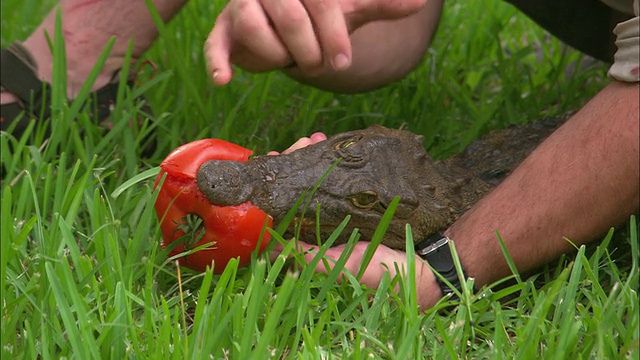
(433, 247)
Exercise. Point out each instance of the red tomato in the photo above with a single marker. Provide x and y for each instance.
(233, 231)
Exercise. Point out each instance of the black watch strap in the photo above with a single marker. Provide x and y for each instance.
(435, 250)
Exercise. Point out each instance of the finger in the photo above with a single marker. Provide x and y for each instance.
(331, 31)
(306, 141)
(302, 142)
(259, 47)
(217, 50)
(309, 250)
(295, 28)
(384, 260)
(317, 137)
(332, 255)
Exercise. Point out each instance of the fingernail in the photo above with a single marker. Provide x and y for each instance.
(215, 74)
(340, 62)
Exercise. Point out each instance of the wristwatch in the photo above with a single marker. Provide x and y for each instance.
(435, 250)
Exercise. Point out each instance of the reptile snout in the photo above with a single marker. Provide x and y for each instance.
(225, 182)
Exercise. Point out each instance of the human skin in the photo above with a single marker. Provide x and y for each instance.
(87, 27)
(407, 39)
(580, 181)
(243, 32)
(569, 187)
(376, 52)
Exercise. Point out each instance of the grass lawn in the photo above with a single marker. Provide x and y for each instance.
(83, 275)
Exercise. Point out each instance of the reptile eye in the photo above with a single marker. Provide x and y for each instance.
(364, 200)
(343, 144)
(346, 143)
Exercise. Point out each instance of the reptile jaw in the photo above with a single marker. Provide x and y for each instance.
(310, 232)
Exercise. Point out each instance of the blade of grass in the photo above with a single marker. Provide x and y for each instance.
(378, 236)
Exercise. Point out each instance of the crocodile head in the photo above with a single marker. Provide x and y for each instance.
(357, 173)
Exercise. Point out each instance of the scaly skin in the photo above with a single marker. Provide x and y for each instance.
(365, 170)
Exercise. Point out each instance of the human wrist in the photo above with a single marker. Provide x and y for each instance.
(439, 252)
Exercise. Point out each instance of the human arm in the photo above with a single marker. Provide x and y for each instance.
(579, 182)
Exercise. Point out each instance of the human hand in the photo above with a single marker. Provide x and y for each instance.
(302, 142)
(384, 260)
(264, 35)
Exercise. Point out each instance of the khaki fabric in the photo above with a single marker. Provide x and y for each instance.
(626, 65)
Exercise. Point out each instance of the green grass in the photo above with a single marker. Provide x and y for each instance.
(83, 275)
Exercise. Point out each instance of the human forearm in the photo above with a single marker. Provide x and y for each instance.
(579, 182)
(87, 28)
(383, 51)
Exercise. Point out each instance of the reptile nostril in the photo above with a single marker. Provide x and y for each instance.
(224, 182)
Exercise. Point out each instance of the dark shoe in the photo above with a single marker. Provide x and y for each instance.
(18, 76)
